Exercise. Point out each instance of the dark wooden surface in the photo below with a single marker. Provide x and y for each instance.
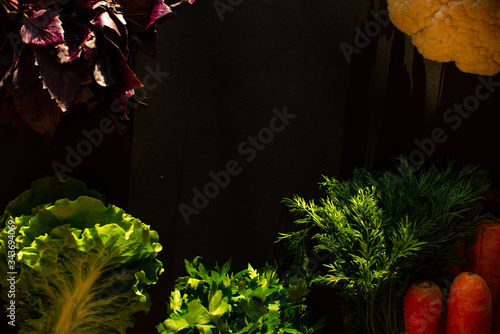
(225, 78)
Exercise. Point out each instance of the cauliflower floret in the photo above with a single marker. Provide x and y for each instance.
(464, 31)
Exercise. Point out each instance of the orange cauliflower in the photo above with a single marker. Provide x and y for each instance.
(464, 31)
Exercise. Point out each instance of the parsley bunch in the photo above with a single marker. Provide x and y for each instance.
(250, 301)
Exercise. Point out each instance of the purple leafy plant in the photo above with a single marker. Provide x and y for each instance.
(50, 49)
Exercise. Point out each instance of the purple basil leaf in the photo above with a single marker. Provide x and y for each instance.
(181, 4)
(31, 101)
(140, 14)
(174, 7)
(8, 55)
(160, 9)
(75, 36)
(103, 19)
(89, 47)
(61, 80)
(43, 27)
(111, 68)
(9, 71)
(11, 4)
(112, 26)
(120, 100)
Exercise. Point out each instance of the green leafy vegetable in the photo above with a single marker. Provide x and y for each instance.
(386, 230)
(250, 301)
(82, 267)
(43, 191)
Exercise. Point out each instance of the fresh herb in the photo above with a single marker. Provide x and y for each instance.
(250, 301)
(386, 230)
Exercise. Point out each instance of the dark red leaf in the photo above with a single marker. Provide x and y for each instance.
(8, 72)
(174, 7)
(89, 48)
(112, 26)
(61, 80)
(103, 19)
(111, 67)
(181, 4)
(42, 27)
(140, 14)
(141, 40)
(12, 5)
(31, 101)
(8, 57)
(75, 36)
(119, 102)
(83, 5)
(160, 9)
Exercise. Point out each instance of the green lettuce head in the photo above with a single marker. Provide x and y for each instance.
(80, 266)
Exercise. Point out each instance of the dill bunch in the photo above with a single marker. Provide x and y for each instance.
(383, 231)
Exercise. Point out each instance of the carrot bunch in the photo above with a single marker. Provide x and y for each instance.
(473, 302)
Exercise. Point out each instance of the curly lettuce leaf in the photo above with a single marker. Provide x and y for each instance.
(83, 267)
(47, 190)
(43, 191)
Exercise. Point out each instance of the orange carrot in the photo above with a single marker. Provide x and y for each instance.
(486, 257)
(422, 307)
(469, 305)
(495, 327)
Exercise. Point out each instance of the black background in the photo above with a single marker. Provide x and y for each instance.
(225, 78)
